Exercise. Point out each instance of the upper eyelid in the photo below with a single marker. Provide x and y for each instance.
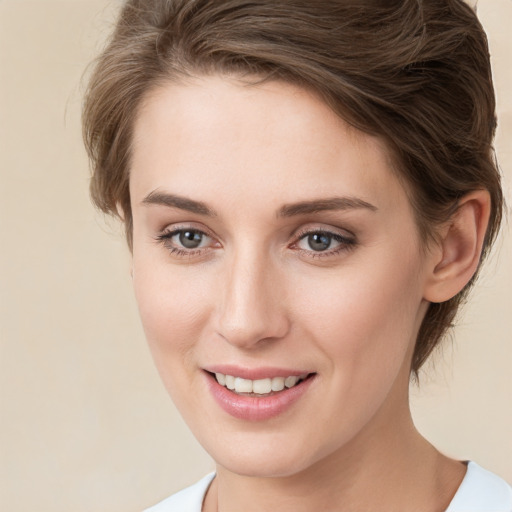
(177, 227)
(331, 230)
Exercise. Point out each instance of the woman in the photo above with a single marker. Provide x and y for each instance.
(308, 190)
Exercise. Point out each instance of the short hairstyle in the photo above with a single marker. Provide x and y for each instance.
(415, 73)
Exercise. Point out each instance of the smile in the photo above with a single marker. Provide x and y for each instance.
(258, 399)
(260, 386)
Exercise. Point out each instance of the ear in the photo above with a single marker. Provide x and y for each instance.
(456, 257)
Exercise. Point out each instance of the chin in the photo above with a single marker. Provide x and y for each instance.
(264, 458)
(280, 466)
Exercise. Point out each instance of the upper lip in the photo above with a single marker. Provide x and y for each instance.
(262, 372)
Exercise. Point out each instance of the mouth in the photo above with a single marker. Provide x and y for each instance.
(258, 399)
(261, 387)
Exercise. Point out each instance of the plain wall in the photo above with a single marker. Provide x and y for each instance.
(85, 422)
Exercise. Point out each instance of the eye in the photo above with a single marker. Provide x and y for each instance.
(185, 241)
(322, 242)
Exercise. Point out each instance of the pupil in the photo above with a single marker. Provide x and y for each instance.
(190, 239)
(319, 241)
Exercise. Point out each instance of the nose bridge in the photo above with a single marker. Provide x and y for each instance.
(251, 309)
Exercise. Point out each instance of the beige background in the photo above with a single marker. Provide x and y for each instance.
(85, 423)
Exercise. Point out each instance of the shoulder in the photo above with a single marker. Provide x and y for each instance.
(481, 491)
(187, 500)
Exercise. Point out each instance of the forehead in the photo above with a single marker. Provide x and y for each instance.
(272, 140)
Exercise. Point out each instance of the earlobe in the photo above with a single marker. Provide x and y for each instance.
(460, 246)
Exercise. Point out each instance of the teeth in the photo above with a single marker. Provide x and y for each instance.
(230, 382)
(260, 386)
(243, 385)
(278, 384)
(289, 382)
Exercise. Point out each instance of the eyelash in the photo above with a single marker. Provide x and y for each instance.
(166, 236)
(346, 243)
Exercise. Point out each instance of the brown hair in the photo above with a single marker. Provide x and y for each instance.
(414, 72)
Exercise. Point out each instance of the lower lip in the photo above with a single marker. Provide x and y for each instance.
(252, 408)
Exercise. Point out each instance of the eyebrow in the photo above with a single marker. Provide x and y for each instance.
(288, 210)
(321, 205)
(174, 201)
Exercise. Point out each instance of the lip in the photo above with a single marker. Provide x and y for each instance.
(266, 372)
(252, 408)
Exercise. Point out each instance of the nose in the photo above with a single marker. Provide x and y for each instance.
(252, 307)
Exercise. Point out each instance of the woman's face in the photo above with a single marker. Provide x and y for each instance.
(273, 243)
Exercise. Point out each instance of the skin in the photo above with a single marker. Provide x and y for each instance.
(255, 293)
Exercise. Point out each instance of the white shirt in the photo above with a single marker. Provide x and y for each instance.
(480, 491)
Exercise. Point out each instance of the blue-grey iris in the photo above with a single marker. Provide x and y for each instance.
(319, 241)
(190, 239)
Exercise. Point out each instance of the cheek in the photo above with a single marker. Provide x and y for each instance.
(364, 324)
(173, 309)
(365, 317)
(172, 305)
